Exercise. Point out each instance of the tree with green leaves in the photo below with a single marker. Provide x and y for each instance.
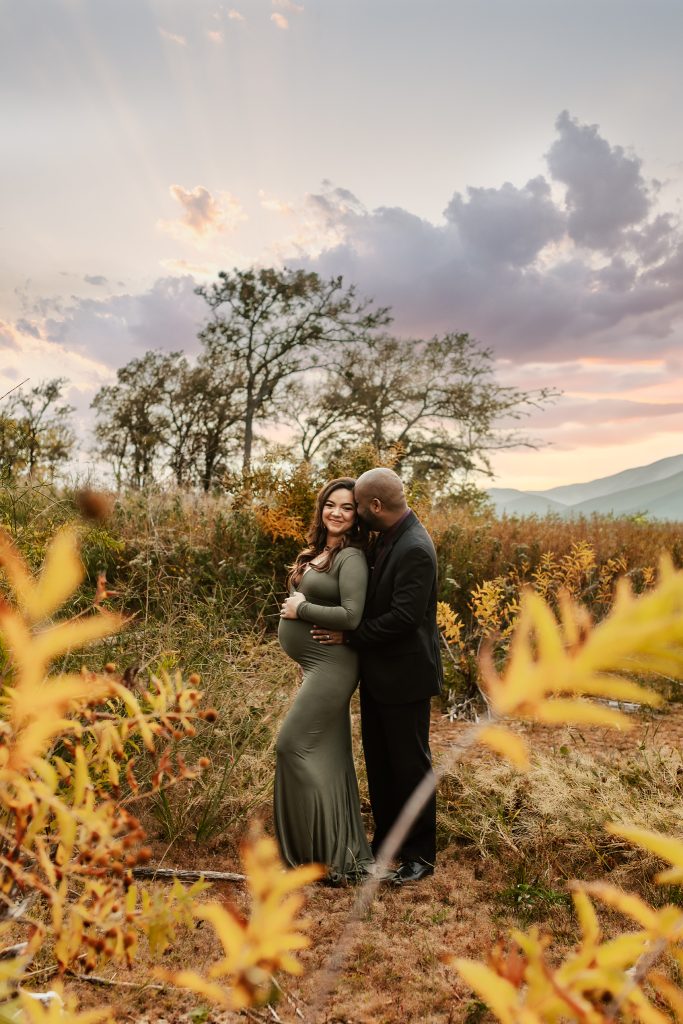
(166, 415)
(436, 404)
(130, 421)
(36, 436)
(270, 326)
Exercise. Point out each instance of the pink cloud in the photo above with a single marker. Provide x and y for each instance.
(204, 214)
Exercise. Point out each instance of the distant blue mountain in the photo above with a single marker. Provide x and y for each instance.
(655, 490)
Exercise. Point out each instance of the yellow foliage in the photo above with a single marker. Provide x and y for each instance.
(254, 948)
(58, 1011)
(280, 524)
(554, 663)
(449, 623)
(663, 846)
(506, 743)
(61, 574)
(69, 842)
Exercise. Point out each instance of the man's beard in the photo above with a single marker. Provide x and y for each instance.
(370, 520)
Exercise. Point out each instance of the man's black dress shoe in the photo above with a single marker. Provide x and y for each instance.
(412, 871)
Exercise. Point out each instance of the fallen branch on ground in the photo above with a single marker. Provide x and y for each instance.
(188, 876)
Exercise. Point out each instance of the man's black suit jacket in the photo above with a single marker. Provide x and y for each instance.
(398, 640)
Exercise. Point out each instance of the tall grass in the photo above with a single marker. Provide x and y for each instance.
(201, 577)
(550, 821)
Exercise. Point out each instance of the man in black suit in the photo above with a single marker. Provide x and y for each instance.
(400, 666)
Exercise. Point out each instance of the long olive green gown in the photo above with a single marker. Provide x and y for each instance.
(317, 808)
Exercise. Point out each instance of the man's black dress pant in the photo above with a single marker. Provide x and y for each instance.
(397, 757)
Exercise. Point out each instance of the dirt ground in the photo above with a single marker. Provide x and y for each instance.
(395, 974)
(655, 729)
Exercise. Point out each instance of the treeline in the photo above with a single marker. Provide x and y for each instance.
(314, 364)
(36, 434)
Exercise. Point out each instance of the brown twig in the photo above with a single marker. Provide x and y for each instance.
(292, 1002)
(24, 381)
(188, 876)
(10, 952)
(96, 979)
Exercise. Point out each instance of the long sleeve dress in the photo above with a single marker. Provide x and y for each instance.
(317, 807)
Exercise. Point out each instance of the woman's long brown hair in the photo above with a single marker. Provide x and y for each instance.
(357, 537)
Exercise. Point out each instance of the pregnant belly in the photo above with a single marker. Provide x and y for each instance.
(295, 639)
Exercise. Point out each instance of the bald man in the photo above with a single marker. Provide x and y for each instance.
(400, 666)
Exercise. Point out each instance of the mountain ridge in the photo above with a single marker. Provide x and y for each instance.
(655, 490)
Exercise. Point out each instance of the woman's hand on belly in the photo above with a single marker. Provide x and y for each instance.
(290, 605)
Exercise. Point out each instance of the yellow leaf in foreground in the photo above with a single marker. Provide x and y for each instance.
(510, 746)
(578, 712)
(498, 993)
(625, 902)
(37, 713)
(253, 949)
(672, 993)
(661, 845)
(621, 953)
(196, 983)
(74, 633)
(588, 919)
(34, 1011)
(61, 573)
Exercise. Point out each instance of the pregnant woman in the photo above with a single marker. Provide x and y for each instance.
(317, 808)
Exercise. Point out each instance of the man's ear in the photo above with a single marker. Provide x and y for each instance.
(376, 505)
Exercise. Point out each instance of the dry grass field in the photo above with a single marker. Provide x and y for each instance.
(508, 846)
(200, 581)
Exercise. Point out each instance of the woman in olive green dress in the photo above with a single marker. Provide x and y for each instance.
(317, 807)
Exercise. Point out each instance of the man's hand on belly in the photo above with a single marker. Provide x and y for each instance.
(327, 636)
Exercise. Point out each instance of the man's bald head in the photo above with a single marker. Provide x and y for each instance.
(380, 497)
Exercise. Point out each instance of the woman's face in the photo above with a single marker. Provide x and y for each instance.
(339, 513)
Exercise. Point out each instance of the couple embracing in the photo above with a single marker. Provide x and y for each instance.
(359, 609)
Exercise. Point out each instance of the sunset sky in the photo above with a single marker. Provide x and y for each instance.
(511, 169)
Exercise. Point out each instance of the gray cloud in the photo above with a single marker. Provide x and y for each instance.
(585, 412)
(28, 327)
(121, 327)
(95, 279)
(508, 265)
(508, 224)
(511, 264)
(606, 191)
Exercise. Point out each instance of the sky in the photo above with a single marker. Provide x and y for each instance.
(510, 169)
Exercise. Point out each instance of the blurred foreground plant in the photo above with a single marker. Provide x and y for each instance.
(68, 843)
(554, 664)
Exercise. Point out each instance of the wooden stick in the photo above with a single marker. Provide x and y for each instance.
(188, 876)
(292, 1002)
(9, 952)
(95, 979)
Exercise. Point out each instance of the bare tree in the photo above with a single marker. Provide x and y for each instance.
(271, 325)
(436, 402)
